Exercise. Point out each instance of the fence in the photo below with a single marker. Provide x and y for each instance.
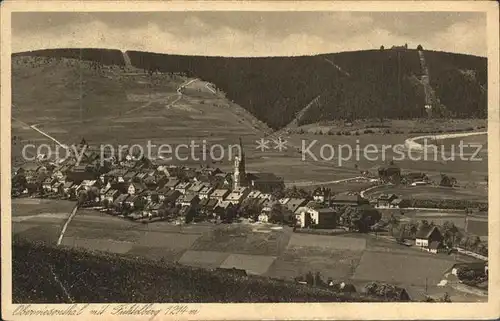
(473, 254)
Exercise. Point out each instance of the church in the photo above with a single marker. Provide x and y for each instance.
(264, 182)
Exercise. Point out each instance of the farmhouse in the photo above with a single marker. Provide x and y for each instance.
(427, 235)
(319, 217)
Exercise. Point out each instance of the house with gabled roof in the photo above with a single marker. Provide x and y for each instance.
(428, 234)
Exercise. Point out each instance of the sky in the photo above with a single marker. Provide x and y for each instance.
(247, 34)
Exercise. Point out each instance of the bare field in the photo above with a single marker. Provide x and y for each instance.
(253, 264)
(401, 268)
(240, 239)
(337, 264)
(29, 207)
(205, 259)
(326, 242)
(434, 192)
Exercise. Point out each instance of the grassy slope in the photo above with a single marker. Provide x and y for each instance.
(98, 277)
(274, 89)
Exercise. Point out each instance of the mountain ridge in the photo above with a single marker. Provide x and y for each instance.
(351, 85)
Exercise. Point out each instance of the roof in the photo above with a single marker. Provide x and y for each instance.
(254, 194)
(196, 187)
(206, 189)
(163, 190)
(285, 200)
(155, 206)
(425, 231)
(111, 192)
(294, 203)
(397, 201)
(68, 184)
(121, 198)
(313, 205)
(470, 265)
(211, 203)
(183, 185)
(173, 194)
(220, 192)
(189, 197)
(172, 182)
(139, 186)
(130, 174)
(224, 204)
(435, 245)
(132, 198)
(325, 210)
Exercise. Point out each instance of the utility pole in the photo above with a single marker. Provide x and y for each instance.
(426, 286)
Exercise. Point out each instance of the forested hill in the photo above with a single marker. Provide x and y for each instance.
(350, 85)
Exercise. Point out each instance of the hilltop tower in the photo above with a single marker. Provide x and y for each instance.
(239, 169)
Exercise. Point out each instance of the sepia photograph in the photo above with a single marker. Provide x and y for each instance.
(165, 160)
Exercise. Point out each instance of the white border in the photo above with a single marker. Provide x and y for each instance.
(334, 311)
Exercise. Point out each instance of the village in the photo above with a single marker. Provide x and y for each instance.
(144, 191)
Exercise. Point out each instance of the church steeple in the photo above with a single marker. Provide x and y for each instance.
(239, 168)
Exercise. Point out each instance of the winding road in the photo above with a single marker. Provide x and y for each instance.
(411, 143)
